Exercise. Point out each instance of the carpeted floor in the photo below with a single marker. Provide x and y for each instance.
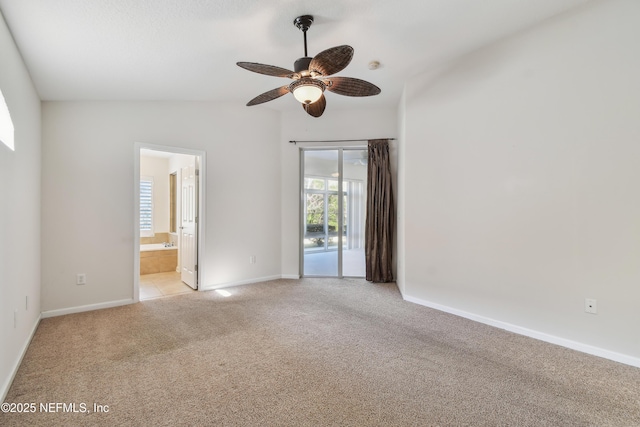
(311, 352)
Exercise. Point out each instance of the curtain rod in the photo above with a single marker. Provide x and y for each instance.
(341, 140)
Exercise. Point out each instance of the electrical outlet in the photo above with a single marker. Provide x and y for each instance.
(15, 318)
(26, 302)
(81, 279)
(590, 306)
(252, 259)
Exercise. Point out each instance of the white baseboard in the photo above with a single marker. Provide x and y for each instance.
(16, 366)
(240, 282)
(574, 345)
(83, 308)
(290, 276)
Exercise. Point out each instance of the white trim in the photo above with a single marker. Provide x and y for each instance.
(89, 307)
(136, 215)
(16, 366)
(290, 276)
(242, 282)
(118, 303)
(542, 336)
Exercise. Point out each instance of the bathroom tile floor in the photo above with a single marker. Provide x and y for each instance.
(160, 285)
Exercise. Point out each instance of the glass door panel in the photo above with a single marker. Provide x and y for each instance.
(320, 213)
(355, 199)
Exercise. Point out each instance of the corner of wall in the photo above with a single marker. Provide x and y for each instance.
(400, 194)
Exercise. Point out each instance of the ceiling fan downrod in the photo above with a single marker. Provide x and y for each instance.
(304, 35)
(303, 23)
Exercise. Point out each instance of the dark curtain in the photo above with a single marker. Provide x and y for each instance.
(379, 224)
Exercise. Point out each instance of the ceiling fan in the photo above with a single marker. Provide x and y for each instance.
(311, 76)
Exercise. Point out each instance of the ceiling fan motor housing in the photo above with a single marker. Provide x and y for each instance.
(302, 65)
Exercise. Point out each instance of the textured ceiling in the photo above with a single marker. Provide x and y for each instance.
(187, 49)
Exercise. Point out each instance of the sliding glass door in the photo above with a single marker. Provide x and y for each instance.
(333, 197)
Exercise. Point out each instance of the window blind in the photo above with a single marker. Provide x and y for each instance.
(146, 205)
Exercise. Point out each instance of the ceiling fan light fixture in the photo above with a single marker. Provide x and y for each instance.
(307, 90)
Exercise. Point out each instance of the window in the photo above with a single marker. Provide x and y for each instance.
(146, 206)
(6, 125)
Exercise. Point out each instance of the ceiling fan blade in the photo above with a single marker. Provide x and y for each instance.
(317, 108)
(269, 96)
(349, 86)
(269, 70)
(332, 60)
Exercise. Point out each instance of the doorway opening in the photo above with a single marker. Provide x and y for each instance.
(332, 211)
(169, 220)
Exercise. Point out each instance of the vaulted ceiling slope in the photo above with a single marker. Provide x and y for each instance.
(188, 49)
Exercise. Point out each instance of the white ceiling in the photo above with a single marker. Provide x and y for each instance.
(187, 49)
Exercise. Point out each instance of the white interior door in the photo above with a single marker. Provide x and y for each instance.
(189, 226)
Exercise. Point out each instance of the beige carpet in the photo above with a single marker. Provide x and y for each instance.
(312, 352)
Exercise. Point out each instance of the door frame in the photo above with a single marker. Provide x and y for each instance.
(201, 155)
(301, 213)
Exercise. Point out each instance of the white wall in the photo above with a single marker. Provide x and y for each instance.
(158, 169)
(88, 194)
(334, 124)
(522, 181)
(19, 212)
